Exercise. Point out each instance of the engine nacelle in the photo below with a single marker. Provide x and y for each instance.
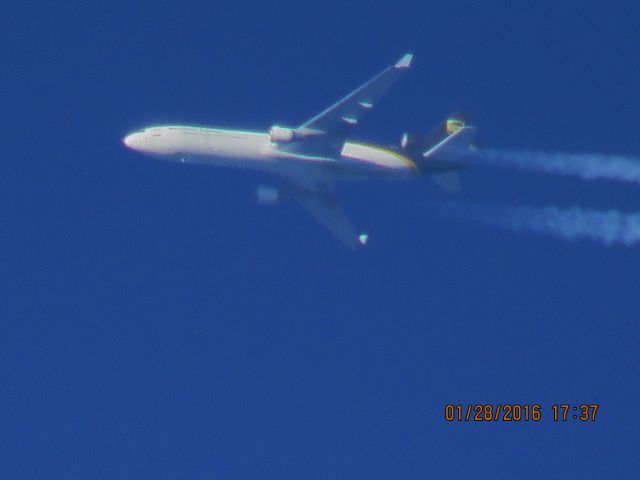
(279, 134)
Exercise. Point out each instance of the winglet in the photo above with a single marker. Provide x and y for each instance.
(405, 61)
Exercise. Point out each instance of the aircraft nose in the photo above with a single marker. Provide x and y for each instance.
(129, 140)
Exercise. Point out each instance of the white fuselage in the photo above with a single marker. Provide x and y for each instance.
(248, 149)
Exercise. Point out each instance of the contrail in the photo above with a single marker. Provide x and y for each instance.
(607, 227)
(589, 166)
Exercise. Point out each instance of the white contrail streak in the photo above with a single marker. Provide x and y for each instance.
(607, 227)
(589, 166)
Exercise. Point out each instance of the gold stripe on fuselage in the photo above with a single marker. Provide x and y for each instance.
(407, 161)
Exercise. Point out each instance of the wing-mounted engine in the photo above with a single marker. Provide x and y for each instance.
(278, 134)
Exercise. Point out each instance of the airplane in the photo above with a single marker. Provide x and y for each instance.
(311, 158)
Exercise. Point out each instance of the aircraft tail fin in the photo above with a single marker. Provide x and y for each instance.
(438, 150)
(420, 143)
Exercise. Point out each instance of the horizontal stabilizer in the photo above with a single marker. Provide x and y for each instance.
(452, 147)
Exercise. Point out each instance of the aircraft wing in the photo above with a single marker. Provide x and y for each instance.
(332, 126)
(323, 206)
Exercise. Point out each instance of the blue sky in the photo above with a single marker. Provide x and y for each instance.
(157, 323)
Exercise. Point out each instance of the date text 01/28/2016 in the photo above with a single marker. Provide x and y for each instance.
(514, 412)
